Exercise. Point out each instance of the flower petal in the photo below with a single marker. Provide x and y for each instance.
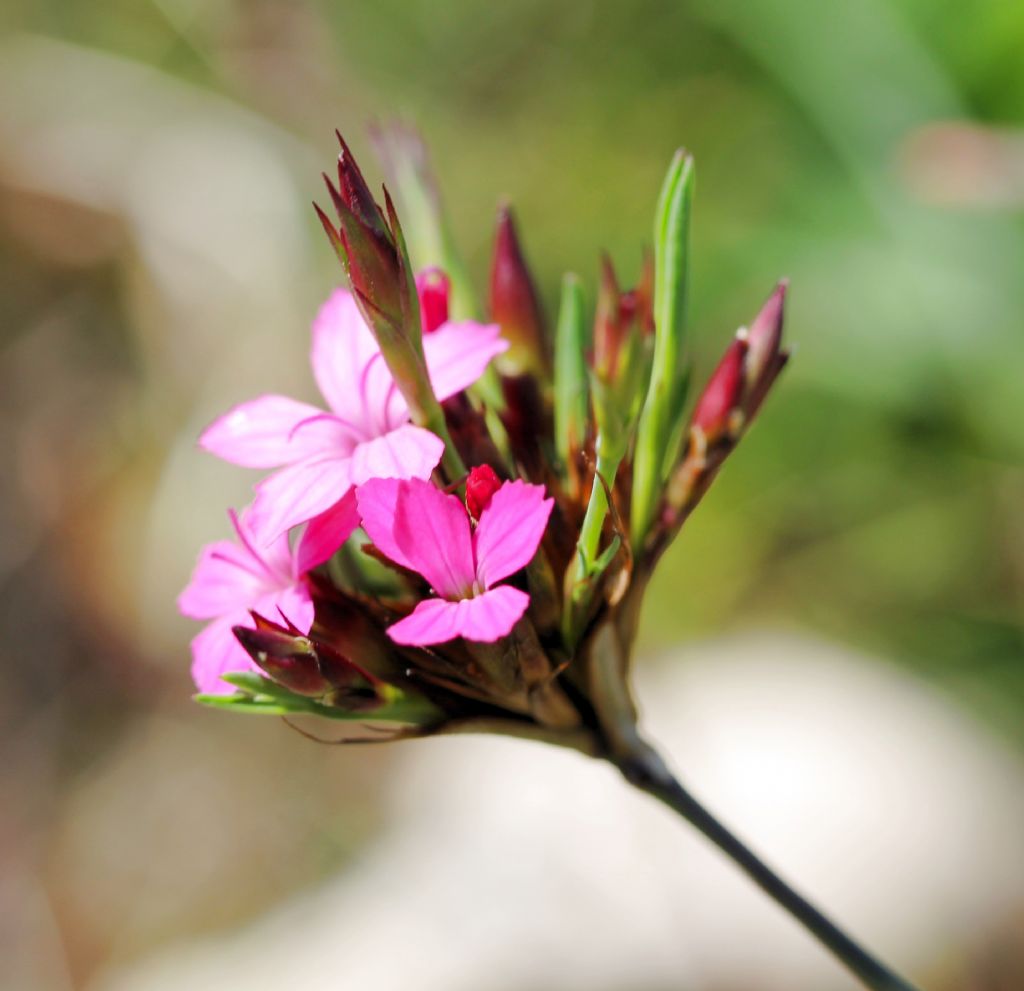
(408, 452)
(510, 531)
(458, 353)
(296, 494)
(294, 604)
(262, 433)
(419, 527)
(216, 652)
(486, 618)
(348, 366)
(226, 578)
(326, 533)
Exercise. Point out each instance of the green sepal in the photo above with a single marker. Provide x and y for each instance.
(261, 695)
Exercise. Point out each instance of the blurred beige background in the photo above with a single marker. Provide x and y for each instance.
(159, 260)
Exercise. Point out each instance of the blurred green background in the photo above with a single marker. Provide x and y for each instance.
(159, 261)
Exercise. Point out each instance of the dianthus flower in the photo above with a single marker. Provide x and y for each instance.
(483, 504)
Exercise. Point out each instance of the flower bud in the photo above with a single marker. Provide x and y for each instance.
(371, 246)
(480, 487)
(661, 420)
(571, 395)
(718, 409)
(764, 355)
(284, 657)
(406, 164)
(432, 286)
(308, 668)
(515, 305)
(367, 246)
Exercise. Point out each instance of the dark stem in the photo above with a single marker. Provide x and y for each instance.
(644, 768)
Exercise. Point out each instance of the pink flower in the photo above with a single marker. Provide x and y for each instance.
(420, 528)
(322, 455)
(231, 578)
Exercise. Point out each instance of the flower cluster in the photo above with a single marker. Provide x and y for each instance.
(461, 536)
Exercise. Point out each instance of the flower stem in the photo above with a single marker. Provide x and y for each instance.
(644, 768)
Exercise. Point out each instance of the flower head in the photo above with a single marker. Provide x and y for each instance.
(504, 597)
(417, 526)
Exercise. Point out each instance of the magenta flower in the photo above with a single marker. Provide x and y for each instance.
(231, 578)
(420, 528)
(367, 434)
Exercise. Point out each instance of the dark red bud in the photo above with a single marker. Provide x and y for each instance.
(355, 193)
(480, 488)
(515, 305)
(433, 287)
(307, 667)
(288, 659)
(722, 395)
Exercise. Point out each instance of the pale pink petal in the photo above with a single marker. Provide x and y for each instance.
(348, 366)
(326, 533)
(407, 452)
(419, 527)
(216, 652)
(274, 556)
(458, 353)
(510, 531)
(262, 433)
(486, 618)
(296, 494)
(226, 578)
(293, 604)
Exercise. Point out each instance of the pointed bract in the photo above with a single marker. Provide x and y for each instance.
(515, 304)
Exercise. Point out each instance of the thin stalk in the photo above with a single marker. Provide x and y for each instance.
(644, 768)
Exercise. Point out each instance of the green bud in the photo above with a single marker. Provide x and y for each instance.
(663, 406)
(570, 371)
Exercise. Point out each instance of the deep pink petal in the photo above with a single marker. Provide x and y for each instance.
(419, 527)
(486, 618)
(458, 353)
(216, 652)
(226, 578)
(407, 452)
(262, 433)
(326, 533)
(510, 531)
(296, 494)
(348, 366)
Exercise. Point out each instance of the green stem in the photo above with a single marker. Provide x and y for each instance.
(644, 768)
